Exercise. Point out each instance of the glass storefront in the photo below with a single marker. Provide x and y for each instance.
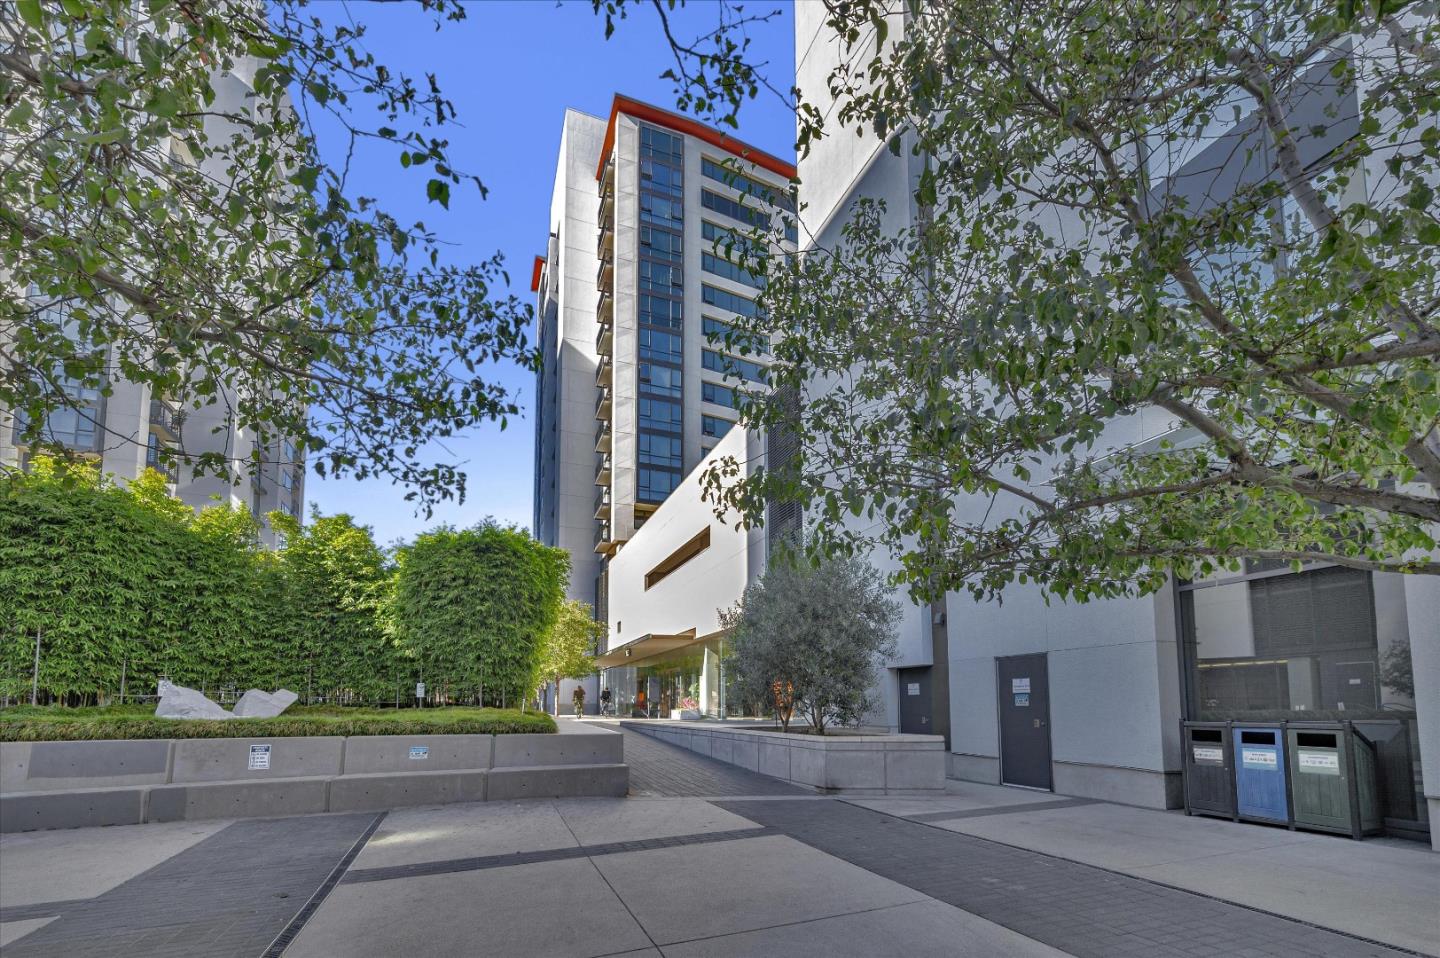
(672, 683)
(1320, 645)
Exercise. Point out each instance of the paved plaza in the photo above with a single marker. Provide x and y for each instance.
(708, 859)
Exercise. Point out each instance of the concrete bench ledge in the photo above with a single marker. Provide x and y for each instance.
(856, 765)
(126, 782)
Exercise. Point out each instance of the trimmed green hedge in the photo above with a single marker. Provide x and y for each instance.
(26, 724)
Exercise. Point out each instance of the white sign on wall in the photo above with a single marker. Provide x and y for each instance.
(1020, 685)
(912, 688)
(419, 751)
(259, 757)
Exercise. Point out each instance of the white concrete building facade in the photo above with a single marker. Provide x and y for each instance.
(1088, 699)
(633, 390)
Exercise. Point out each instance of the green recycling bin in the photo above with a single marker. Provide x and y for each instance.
(1332, 779)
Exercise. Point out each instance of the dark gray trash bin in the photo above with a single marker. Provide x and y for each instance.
(1209, 769)
(1333, 780)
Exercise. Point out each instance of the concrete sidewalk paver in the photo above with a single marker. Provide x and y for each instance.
(230, 894)
(434, 833)
(546, 909)
(85, 862)
(1086, 911)
(924, 929)
(682, 894)
(596, 821)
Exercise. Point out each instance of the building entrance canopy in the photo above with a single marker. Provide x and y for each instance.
(646, 646)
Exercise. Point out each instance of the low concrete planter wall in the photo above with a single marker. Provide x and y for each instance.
(856, 765)
(126, 782)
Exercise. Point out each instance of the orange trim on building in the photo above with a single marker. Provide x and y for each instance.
(535, 274)
(683, 124)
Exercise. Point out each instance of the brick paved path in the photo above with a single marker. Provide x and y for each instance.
(1077, 908)
(229, 895)
(658, 768)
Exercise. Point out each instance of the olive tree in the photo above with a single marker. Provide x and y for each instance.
(809, 638)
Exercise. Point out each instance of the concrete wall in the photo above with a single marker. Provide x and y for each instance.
(691, 596)
(842, 764)
(75, 784)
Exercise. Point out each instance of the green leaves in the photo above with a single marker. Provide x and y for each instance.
(189, 213)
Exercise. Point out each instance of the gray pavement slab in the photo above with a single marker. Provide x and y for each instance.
(230, 894)
(551, 908)
(82, 863)
(1384, 890)
(14, 930)
(1083, 910)
(680, 894)
(598, 820)
(443, 832)
(924, 929)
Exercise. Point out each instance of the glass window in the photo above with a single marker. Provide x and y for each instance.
(656, 344)
(656, 484)
(725, 206)
(661, 415)
(660, 244)
(659, 380)
(658, 143)
(660, 277)
(660, 450)
(721, 333)
(657, 311)
(721, 173)
(733, 366)
(715, 426)
(661, 210)
(661, 177)
(718, 394)
(729, 270)
(724, 299)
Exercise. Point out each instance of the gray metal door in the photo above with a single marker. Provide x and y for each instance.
(1024, 693)
(915, 701)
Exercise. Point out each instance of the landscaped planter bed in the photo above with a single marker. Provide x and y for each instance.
(139, 722)
(852, 763)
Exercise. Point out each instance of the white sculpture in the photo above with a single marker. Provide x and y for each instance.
(178, 702)
(258, 704)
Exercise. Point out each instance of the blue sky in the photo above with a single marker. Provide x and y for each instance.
(511, 69)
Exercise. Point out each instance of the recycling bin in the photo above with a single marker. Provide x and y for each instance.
(1261, 793)
(1209, 769)
(1333, 779)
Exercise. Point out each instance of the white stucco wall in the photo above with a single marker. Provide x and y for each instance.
(691, 596)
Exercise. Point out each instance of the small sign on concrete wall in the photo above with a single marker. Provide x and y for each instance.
(419, 751)
(259, 757)
(912, 688)
(1020, 685)
(1022, 700)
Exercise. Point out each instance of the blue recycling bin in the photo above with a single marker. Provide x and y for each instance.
(1260, 785)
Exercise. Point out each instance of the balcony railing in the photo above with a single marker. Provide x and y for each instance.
(602, 436)
(605, 308)
(170, 470)
(604, 372)
(602, 503)
(602, 405)
(605, 272)
(602, 471)
(606, 243)
(164, 418)
(604, 340)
